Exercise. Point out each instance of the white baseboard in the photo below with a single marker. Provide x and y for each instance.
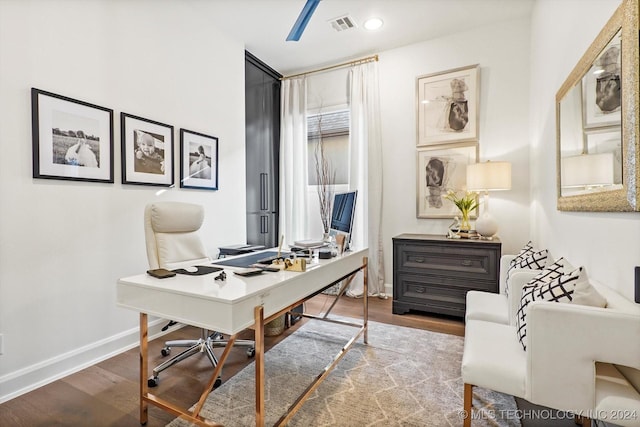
(32, 377)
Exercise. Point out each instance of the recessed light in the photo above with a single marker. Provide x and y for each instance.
(373, 24)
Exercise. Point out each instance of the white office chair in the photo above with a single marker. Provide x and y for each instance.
(171, 235)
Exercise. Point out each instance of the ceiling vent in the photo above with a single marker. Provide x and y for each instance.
(342, 23)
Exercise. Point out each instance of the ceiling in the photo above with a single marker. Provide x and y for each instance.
(263, 26)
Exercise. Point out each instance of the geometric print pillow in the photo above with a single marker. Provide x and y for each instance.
(531, 259)
(557, 289)
(524, 252)
(558, 268)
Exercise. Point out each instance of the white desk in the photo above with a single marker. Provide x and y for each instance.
(230, 307)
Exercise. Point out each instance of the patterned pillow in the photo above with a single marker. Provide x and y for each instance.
(524, 252)
(527, 258)
(558, 289)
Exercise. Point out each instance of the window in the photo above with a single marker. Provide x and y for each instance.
(332, 130)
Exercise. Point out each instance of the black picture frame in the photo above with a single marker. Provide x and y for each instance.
(198, 160)
(147, 151)
(72, 139)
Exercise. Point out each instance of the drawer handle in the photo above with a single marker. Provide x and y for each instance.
(467, 262)
(419, 259)
(420, 290)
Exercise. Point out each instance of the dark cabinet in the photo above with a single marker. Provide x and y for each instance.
(433, 274)
(262, 121)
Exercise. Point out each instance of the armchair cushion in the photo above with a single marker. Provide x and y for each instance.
(616, 399)
(493, 358)
(487, 306)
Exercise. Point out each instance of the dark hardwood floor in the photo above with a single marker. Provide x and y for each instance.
(106, 394)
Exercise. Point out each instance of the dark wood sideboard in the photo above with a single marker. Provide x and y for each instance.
(433, 274)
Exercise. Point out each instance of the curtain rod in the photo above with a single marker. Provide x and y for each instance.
(331, 67)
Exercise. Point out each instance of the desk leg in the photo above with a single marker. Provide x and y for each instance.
(259, 347)
(144, 350)
(365, 298)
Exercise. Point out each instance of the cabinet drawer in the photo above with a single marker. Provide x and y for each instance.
(460, 262)
(429, 294)
(425, 287)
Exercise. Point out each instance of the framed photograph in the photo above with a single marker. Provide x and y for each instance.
(72, 140)
(147, 151)
(198, 160)
(440, 169)
(601, 88)
(448, 106)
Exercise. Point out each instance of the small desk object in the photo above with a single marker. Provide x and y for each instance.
(232, 306)
(225, 251)
(433, 273)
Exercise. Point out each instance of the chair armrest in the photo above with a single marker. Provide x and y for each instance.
(505, 260)
(565, 341)
(518, 278)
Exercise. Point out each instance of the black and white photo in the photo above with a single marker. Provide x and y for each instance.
(198, 160)
(72, 139)
(147, 151)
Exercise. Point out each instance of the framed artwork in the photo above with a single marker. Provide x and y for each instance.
(147, 151)
(72, 140)
(448, 106)
(198, 160)
(601, 88)
(440, 169)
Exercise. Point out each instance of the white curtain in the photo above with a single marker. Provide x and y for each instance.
(293, 160)
(365, 172)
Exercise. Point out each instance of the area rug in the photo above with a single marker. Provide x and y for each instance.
(403, 377)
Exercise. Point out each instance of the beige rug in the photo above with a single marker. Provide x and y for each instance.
(404, 377)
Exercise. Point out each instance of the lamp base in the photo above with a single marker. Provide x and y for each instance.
(486, 226)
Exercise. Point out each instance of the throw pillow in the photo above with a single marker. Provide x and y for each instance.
(558, 289)
(586, 294)
(524, 252)
(527, 258)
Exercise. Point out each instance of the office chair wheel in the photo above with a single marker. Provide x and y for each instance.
(165, 351)
(251, 352)
(153, 381)
(217, 384)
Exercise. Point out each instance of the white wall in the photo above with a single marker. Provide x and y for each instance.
(606, 243)
(502, 51)
(64, 244)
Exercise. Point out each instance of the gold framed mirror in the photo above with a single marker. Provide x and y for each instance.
(598, 162)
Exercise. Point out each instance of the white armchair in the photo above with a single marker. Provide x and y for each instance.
(580, 359)
(499, 308)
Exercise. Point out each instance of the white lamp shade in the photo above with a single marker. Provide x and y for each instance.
(489, 176)
(587, 170)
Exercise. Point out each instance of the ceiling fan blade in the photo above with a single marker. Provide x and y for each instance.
(303, 20)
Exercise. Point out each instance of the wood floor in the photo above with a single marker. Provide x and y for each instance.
(106, 394)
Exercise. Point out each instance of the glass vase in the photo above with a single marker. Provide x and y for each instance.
(464, 223)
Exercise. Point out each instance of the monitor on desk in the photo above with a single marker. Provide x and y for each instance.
(342, 214)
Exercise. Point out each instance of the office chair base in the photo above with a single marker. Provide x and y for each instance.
(155, 381)
(202, 345)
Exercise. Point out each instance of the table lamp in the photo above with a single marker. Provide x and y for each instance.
(485, 177)
(587, 170)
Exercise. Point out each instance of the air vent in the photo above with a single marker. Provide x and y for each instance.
(342, 23)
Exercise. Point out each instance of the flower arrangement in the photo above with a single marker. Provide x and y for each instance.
(466, 203)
